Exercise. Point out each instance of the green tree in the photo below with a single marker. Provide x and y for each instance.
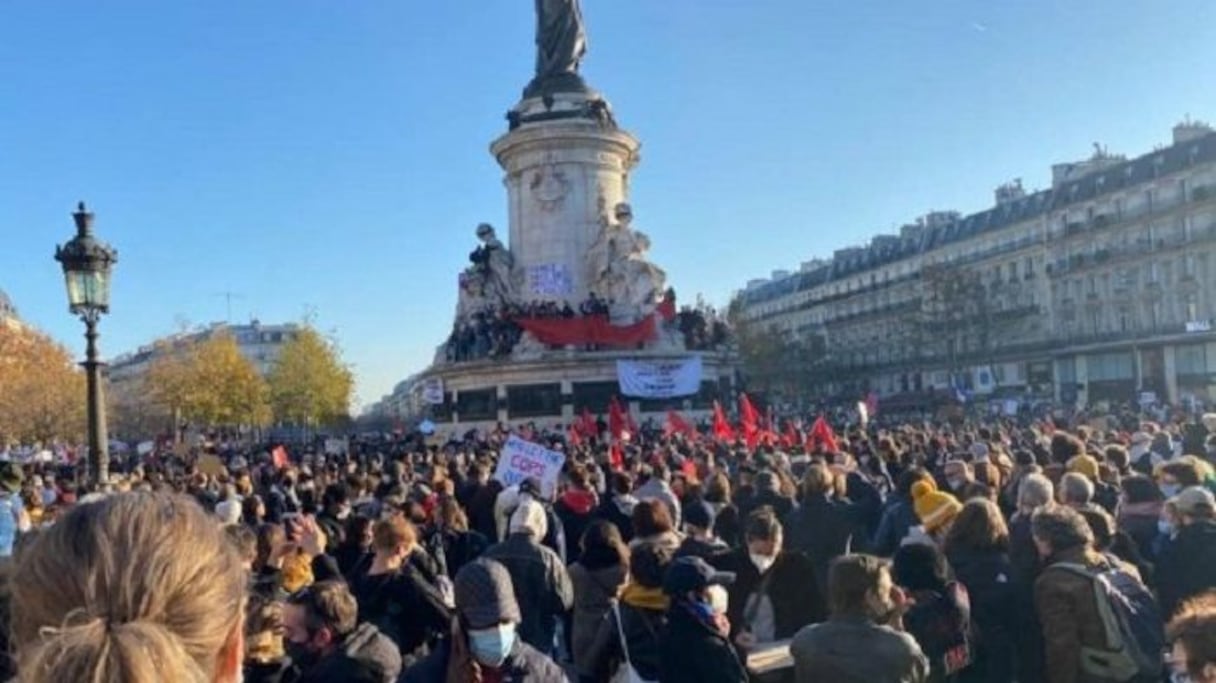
(309, 384)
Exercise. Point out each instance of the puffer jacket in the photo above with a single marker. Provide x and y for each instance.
(542, 586)
(1068, 612)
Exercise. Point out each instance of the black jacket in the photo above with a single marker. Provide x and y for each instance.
(824, 529)
(542, 586)
(454, 549)
(643, 632)
(1187, 566)
(792, 589)
(523, 665)
(269, 672)
(694, 653)
(988, 577)
(403, 606)
(365, 656)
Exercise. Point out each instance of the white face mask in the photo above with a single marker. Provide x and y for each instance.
(763, 562)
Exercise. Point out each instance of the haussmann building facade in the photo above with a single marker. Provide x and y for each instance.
(1099, 289)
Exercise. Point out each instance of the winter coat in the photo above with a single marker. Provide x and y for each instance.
(1187, 566)
(524, 665)
(594, 591)
(365, 656)
(542, 586)
(279, 671)
(454, 549)
(988, 577)
(695, 547)
(794, 594)
(1068, 613)
(403, 605)
(728, 524)
(643, 629)
(824, 529)
(619, 511)
(856, 650)
(1139, 520)
(897, 518)
(692, 652)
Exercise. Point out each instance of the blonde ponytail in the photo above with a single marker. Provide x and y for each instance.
(135, 588)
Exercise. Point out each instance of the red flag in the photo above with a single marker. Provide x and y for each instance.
(617, 425)
(750, 420)
(789, 439)
(822, 434)
(676, 424)
(278, 457)
(616, 456)
(587, 425)
(722, 429)
(573, 435)
(689, 468)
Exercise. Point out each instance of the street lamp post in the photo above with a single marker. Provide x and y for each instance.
(86, 270)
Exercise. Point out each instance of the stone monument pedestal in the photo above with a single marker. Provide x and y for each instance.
(566, 165)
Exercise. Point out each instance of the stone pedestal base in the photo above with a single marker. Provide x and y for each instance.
(564, 171)
(552, 390)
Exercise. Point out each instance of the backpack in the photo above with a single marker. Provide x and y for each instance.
(1131, 622)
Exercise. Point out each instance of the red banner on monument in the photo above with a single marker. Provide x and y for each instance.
(591, 329)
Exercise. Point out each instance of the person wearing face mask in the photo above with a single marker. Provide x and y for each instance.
(484, 644)
(1187, 566)
(775, 593)
(695, 643)
(326, 642)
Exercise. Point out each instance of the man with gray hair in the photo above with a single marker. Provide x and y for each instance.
(1076, 491)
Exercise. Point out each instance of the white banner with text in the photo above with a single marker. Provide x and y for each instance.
(659, 378)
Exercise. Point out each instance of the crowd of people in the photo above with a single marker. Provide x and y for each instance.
(494, 332)
(987, 552)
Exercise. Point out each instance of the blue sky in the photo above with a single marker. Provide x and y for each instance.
(312, 155)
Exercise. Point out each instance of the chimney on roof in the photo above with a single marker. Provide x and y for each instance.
(1010, 192)
(1190, 130)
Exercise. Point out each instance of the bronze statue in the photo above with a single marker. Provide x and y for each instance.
(561, 42)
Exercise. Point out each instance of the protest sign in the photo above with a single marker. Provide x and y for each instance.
(521, 459)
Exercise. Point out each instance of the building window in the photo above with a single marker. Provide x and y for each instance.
(1191, 360)
(1111, 366)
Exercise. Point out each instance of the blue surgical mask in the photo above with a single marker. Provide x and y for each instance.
(1170, 490)
(490, 646)
(1165, 527)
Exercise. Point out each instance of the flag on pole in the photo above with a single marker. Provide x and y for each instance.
(617, 426)
(822, 435)
(616, 456)
(676, 424)
(750, 421)
(722, 428)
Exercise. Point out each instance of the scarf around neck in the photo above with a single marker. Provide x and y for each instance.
(639, 596)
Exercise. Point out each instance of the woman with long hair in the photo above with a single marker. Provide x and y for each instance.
(133, 587)
(597, 577)
(978, 550)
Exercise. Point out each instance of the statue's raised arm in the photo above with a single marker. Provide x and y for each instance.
(561, 41)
